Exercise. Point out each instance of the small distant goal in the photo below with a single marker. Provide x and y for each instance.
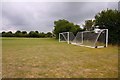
(97, 38)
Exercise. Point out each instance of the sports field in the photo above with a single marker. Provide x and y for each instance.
(47, 58)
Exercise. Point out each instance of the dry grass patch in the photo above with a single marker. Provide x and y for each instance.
(39, 58)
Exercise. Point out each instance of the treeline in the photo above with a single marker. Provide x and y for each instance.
(33, 34)
(106, 19)
(65, 26)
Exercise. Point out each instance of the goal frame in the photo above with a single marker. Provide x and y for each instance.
(101, 30)
(67, 39)
(82, 36)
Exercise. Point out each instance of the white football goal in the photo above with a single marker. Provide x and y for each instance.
(93, 39)
(66, 37)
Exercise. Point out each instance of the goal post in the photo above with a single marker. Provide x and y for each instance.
(102, 38)
(93, 39)
(78, 39)
(66, 37)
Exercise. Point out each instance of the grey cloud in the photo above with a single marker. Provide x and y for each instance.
(40, 16)
(78, 12)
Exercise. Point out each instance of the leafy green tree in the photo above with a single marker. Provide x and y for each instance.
(42, 35)
(3, 34)
(88, 25)
(109, 19)
(37, 32)
(65, 26)
(34, 34)
(9, 34)
(24, 34)
(49, 34)
(31, 33)
(18, 33)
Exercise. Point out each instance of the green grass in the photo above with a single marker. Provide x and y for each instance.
(47, 58)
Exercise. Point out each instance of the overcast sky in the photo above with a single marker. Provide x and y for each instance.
(40, 16)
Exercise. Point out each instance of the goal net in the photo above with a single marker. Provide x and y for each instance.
(92, 39)
(66, 37)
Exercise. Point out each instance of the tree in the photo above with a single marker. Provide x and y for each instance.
(3, 34)
(31, 34)
(109, 19)
(42, 35)
(65, 26)
(9, 34)
(49, 34)
(18, 33)
(24, 34)
(34, 34)
(88, 25)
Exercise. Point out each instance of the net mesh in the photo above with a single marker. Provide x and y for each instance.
(71, 36)
(102, 39)
(78, 38)
(86, 38)
(63, 37)
(89, 38)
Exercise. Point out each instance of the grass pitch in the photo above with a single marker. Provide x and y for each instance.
(47, 58)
